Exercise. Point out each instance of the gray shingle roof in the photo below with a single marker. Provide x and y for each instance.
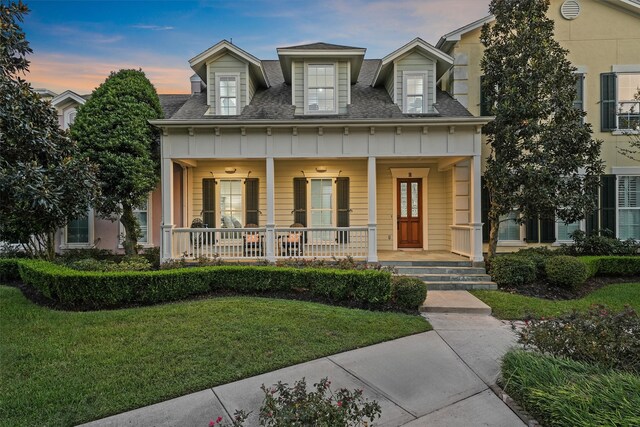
(172, 103)
(274, 103)
(320, 45)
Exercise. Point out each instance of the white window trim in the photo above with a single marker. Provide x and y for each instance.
(91, 221)
(515, 243)
(623, 69)
(217, 77)
(149, 243)
(334, 200)
(618, 202)
(67, 117)
(218, 189)
(425, 92)
(335, 88)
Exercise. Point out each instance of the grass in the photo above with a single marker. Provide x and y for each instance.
(514, 306)
(65, 368)
(561, 392)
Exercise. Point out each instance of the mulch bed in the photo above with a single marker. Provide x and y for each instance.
(550, 292)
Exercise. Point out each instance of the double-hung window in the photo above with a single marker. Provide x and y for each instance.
(79, 231)
(509, 229)
(321, 208)
(142, 215)
(227, 94)
(414, 93)
(321, 89)
(629, 207)
(620, 101)
(231, 209)
(564, 230)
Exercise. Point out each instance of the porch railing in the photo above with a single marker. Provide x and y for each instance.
(461, 239)
(251, 243)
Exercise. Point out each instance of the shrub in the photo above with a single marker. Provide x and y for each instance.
(561, 392)
(592, 264)
(408, 292)
(9, 271)
(566, 271)
(538, 256)
(619, 266)
(510, 270)
(137, 263)
(91, 289)
(93, 253)
(600, 245)
(598, 336)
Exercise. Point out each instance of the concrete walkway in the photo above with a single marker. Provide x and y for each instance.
(437, 378)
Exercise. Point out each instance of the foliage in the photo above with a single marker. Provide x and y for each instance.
(506, 305)
(618, 266)
(113, 361)
(510, 270)
(112, 130)
(44, 180)
(566, 271)
(9, 271)
(137, 263)
(538, 256)
(71, 255)
(597, 336)
(346, 263)
(92, 289)
(560, 392)
(633, 152)
(543, 161)
(295, 406)
(408, 292)
(600, 244)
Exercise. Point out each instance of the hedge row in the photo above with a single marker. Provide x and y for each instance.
(9, 270)
(612, 265)
(90, 289)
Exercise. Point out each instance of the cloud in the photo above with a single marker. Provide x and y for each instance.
(75, 35)
(82, 74)
(153, 27)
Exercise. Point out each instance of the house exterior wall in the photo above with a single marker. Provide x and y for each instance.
(414, 62)
(227, 63)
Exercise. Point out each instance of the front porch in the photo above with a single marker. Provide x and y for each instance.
(373, 209)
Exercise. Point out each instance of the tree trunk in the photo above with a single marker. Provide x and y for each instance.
(130, 224)
(51, 248)
(494, 227)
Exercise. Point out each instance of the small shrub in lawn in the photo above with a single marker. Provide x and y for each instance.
(566, 271)
(598, 336)
(602, 244)
(562, 392)
(510, 270)
(408, 292)
(538, 256)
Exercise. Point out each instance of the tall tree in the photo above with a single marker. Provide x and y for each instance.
(44, 182)
(543, 161)
(112, 129)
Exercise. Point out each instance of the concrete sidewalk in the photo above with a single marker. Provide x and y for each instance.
(437, 378)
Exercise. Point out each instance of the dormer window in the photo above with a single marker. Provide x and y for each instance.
(414, 84)
(321, 89)
(227, 94)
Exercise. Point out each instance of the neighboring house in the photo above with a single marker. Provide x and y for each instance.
(91, 231)
(603, 40)
(321, 153)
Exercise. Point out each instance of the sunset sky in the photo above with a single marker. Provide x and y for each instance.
(77, 43)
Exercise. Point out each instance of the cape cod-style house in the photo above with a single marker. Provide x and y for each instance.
(321, 153)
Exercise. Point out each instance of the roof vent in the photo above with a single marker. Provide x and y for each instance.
(570, 9)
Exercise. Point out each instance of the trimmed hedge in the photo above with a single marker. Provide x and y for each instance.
(613, 265)
(111, 289)
(566, 271)
(9, 269)
(512, 270)
(408, 292)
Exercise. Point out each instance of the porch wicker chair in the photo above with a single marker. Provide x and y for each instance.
(252, 242)
(292, 244)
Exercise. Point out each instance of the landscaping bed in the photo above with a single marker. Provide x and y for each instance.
(64, 368)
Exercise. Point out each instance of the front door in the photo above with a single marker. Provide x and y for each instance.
(410, 213)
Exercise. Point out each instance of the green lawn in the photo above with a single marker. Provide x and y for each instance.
(513, 306)
(64, 368)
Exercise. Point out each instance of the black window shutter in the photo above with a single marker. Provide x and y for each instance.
(251, 195)
(209, 202)
(300, 201)
(531, 228)
(591, 218)
(547, 231)
(485, 108)
(608, 101)
(342, 206)
(485, 205)
(608, 203)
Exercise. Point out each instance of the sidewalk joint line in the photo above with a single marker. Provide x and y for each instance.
(221, 404)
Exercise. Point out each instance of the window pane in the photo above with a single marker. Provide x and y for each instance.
(142, 221)
(78, 230)
(414, 104)
(404, 200)
(629, 191)
(414, 199)
(321, 88)
(629, 227)
(231, 209)
(509, 228)
(565, 230)
(628, 86)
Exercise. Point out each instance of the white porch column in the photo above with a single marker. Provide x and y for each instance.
(372, 224)
(166, 237)
(270, 238)
(476, 215)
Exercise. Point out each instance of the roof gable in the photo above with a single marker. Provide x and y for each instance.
(355, 55)
(67, 95)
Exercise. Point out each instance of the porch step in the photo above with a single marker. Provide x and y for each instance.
(461, 286)
(440, 270)
(429, 278)
(447, 275)
(429, 264)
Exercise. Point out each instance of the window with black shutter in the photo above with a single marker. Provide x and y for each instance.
(531, 228)
(485, 106)
(485, 205)
(608, 203)
(547, 230)
(251, 196)
(300, 201)
(342, 205)
(209, 202)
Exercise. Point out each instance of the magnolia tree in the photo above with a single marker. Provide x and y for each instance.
(44, 181)
(543, 161)
(113, 131)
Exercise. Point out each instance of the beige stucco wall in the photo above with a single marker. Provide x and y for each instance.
(600, 37)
